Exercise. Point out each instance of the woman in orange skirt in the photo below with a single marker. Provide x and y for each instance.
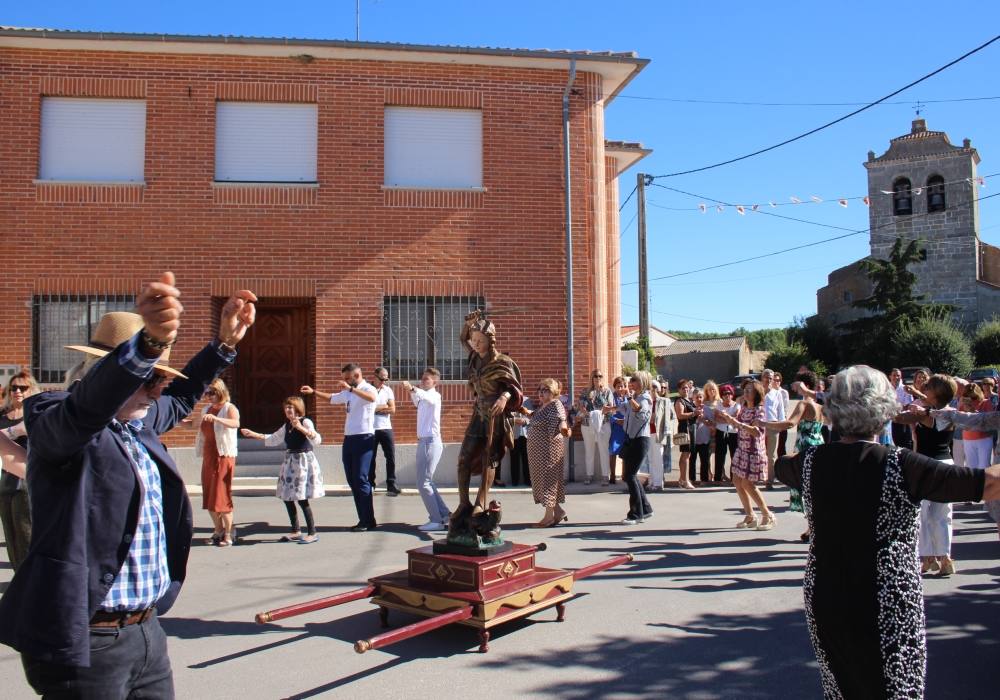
(216, 445)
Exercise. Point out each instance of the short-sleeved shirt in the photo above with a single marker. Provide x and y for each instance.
(383, 421)
(428, 403)
(360, 412)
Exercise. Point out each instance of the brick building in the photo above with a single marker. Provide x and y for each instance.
(371, 194)
(924, 187)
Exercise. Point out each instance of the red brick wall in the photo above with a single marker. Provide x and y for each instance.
(348, 240)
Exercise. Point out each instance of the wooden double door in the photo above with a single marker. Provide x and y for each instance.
(275, 359)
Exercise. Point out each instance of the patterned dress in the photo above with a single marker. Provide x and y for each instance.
(545, 454)
(300, 477)
(864, 602)
(808, 434)
(750, 460)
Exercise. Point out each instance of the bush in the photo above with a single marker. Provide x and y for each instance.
(986, 343)
(790, 359)
(933, 342)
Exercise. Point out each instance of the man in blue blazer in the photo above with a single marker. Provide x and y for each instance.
(112, 518)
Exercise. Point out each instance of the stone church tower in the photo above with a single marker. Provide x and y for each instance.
(925, 188)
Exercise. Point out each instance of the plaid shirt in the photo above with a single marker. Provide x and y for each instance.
(144, 576)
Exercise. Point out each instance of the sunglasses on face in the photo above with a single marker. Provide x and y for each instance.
(597, 376)
(544, 390)
(154, 381)
(210, 392)
(19, 387)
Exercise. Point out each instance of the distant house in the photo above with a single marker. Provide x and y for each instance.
(657, 339)
(702, 359)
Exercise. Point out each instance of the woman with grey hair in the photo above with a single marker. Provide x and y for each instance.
(863, 596)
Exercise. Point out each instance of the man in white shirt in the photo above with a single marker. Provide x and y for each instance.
(385, 406)
(358, 397)
(774, 411)
(902, 435)
(429, 448)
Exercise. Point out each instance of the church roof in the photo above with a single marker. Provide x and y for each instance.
(919, 143)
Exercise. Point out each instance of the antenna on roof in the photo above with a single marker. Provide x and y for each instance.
(919, 107)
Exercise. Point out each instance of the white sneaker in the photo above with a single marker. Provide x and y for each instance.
(629, 521)
(431, 526)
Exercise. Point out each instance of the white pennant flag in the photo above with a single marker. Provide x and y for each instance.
(842, 202)
(720, 208)
(918, 191)
(795, 200)
(867, 200)
(981, 181)
(741, 210)
(772, 204)
(702, 207)
(755, 207)
(886, 192)
(816, 199)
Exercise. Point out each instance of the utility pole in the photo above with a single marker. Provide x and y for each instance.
(641, 180)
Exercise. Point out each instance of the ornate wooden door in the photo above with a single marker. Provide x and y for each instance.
(272, 364)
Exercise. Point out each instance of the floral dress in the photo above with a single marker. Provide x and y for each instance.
(300, 477)
(750, 460)
(808, 434)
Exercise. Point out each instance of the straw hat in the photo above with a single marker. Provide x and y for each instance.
(114, 328)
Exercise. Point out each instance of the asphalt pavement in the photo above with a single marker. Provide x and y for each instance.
(704, 611)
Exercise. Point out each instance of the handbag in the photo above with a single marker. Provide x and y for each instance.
(682, 439)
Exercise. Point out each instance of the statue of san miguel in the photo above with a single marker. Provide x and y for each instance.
(495, 381)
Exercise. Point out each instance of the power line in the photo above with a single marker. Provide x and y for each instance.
(835, 121)
(711, 320)
(627, 198)
(742, 103)
(798, 247)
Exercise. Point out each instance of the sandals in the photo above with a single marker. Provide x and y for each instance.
(748, 523)
(767, 522)
(309, 539)
(291, 537)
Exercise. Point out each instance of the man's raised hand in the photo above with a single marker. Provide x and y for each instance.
(159, 305)
(238, 314)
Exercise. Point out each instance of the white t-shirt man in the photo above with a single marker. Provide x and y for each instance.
(774, 406)
(383, 421)
(360, 413)
(428, 403)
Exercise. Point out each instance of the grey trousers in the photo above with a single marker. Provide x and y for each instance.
(428, 455)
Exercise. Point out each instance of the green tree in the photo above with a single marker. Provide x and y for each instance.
(986, 343)
(790, 359)
(819, 338)
(647, 358)
(769, 339)
(891, 305)
(934, 342)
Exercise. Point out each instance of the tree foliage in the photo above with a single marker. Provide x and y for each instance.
(986, 343)
(790, 359)
(647, 358)
(934, 342)
(819, 339)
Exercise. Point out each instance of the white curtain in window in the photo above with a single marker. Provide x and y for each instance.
(433, 148)
(265, 142)
(92, 139)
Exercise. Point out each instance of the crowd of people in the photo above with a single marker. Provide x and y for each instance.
(99, 582)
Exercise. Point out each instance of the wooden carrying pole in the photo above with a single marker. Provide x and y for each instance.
(601, 566)
(311, 605)
(417, 628)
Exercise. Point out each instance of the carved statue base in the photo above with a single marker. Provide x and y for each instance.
(474, 535)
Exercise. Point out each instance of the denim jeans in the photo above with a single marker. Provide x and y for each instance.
(357, 456)
(428, 455)
(125, 662)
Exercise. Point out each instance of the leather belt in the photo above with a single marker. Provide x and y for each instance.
(120, 619)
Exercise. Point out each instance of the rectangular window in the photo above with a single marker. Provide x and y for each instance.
(60, 320)
(421, 332)
(265, 142)
(92, 139)
(433, 148)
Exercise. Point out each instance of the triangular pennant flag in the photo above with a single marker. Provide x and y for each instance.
(720, 207)
(918, 191)
(842, 202)
(755, 207)
(981, 181)
(816, 199)
(702, 207)
(795, 200)
(867, 200)
(741, 210)
(886, 192)
(772, 204)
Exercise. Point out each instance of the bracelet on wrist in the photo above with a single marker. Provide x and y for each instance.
(151, 342)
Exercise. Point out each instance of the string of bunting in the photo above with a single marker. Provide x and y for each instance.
(742, 209)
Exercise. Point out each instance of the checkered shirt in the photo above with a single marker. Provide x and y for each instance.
(144, 577)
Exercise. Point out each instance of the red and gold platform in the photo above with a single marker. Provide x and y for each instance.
(476, 591)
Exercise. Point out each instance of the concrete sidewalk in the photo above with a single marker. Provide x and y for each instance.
(705, 610)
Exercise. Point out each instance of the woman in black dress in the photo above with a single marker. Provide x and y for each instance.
(863, 596)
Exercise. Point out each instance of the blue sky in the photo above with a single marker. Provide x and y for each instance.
(774, 52)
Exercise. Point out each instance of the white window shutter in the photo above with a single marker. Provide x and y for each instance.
(433, 148)
(265, 142)
(92, 139)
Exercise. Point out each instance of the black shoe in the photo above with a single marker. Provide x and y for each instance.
(363, 528)
(391, 490)
(499, 484)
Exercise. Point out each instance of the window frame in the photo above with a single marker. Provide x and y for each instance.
(398, 177)
(311, 170)
(431, 354)
(97, 305)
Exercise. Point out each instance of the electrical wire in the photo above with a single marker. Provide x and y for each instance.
(740, 103)
(835, 121)
(628, 198)
(710, 320)
(798, 247)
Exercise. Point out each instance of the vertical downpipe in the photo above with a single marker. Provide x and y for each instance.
(570, 389)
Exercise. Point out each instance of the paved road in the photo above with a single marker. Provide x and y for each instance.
(705, 610)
